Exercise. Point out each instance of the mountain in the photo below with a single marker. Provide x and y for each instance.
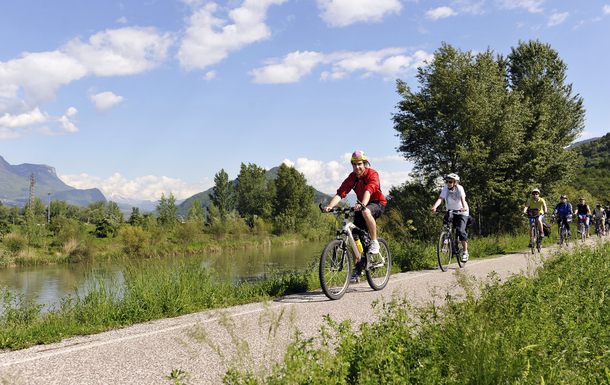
(204, 197)
(594, 176)
(581, 142)
(15, 186)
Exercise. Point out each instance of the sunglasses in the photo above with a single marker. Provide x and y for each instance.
(535, 193)
(450, 181)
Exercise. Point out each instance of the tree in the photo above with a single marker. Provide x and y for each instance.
(223, 194)
(95, 212)
(115, 212)
(293, 197)
(135, 219)
(466, 118)
(196, 211)
(59, 208)
(167, 211)
(252, 196)
(557, 117)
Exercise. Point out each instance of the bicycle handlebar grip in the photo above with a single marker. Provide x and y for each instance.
(321, 208)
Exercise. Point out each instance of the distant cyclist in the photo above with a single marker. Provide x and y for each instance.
(600, 217)
(535, 202)
(563, 211)
(365, 183)
(455, 199)
(584, 211)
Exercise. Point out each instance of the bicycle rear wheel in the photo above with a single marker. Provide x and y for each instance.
(380, 266)
(444, 250)
(335, 269)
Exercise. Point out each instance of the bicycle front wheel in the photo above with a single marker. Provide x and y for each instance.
(583, 233)
(380, 266)
(563, 236)
(444, 250)
(335, 269)
(607, 229)
(533, 237)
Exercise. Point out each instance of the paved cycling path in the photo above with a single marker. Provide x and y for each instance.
(146, 353)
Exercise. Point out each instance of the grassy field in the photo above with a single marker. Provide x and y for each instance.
(552, 327)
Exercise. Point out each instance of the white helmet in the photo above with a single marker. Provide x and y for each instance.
(453, 176)
(535, 190)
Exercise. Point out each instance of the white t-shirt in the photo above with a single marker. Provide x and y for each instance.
(452, 198)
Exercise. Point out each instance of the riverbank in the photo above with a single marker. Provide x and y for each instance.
(114, 249)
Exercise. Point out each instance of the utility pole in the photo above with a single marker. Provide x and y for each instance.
(32, 182)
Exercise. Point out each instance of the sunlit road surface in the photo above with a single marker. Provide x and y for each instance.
(147, 353)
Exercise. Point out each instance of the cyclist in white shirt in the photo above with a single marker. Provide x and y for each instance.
(455, 199)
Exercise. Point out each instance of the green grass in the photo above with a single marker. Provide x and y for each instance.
(549, 328)
(150, 291)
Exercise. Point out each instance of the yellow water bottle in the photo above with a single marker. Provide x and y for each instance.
(359, 245)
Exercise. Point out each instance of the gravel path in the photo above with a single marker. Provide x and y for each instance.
(252, 334)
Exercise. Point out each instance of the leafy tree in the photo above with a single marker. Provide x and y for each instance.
(40, 209)
(196, 212)
(59, 208)
(115, 212)
(96, 211)
(253, 199)
(106, 227)
(557, 117)
(293, 197)
(223, 194)
(167, 211)
(5, 227)
(135, 219)
(466, 118)
(15, 215)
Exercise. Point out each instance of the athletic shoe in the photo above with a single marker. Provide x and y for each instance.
(465, 256)
(355, 278)
(374, 248)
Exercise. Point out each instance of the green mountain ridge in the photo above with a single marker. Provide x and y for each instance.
(15, 186)
(204, 197)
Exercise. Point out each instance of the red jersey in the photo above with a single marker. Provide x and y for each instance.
(368, 182)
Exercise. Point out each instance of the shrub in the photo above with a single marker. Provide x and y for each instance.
(187, 232)
(14, 243)
(135, 240)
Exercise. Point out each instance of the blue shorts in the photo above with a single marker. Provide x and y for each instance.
(533, 219)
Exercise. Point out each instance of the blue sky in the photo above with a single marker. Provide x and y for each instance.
(143, 97)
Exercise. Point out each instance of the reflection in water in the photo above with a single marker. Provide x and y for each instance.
(48, 284)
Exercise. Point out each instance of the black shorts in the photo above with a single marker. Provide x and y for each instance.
(376, 209)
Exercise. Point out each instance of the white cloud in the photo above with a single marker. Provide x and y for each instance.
(125, 51)
(209, 39)
(291, 69)
(532, 6)
(606, 9)
(440, 13)
(210, 75)
(466, 6)
(38, 76)
(389, 62)
(340, 13)
(148, 187)
(105, 100)
(122, 20)
(557, 18)
(15, 126)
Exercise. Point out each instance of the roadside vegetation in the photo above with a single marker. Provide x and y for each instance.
(550, 327)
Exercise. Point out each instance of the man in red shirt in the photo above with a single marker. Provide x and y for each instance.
(365, 183)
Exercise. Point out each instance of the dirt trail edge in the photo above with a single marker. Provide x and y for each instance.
(252, 334)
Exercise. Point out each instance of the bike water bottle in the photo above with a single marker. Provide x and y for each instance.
(359, 245)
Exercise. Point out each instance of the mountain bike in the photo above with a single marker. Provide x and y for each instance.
(535, 239)
(599, 229)
(448, 243)
(338, 255)
(564, 235)
(582, 219)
